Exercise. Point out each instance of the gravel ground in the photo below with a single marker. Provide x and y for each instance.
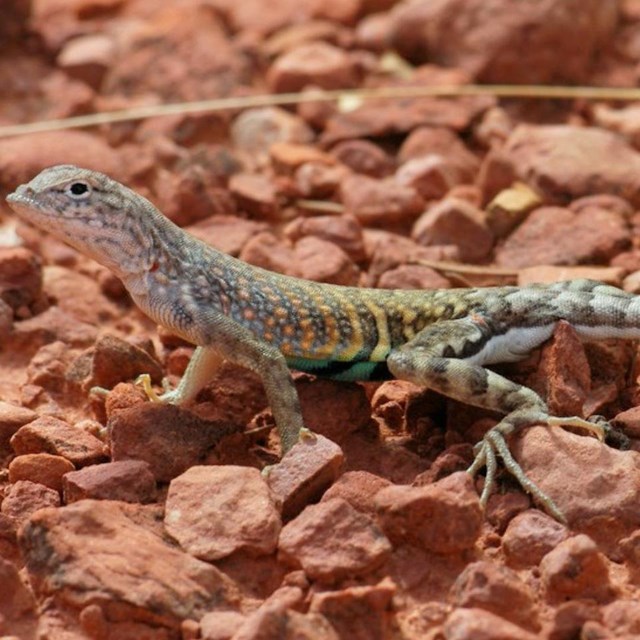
(125, 520)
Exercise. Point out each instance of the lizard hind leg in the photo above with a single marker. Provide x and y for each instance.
(431, 359)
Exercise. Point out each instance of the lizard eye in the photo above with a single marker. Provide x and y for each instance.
(78, 190)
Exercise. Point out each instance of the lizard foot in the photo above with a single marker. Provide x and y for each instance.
(494, 444)
(144, 381)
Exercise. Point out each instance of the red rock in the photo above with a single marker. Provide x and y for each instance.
(287, 157)
(628, 261)
(228, 234)
(20, 277)
(96, 552)
(344, 231)
(323, 261)
(256, 194)
(594, 486)
(249, 15)
(443, 142)
(570, 617)
(255, 130)
(313, 542)
(23, 157)
(304, 473)
(372, 32)
(606, 201)
(292, 593)
(359, 489)
(6, 321)
(78, 295)
(322, 414)
(563, 163)
(16, 600)
(126, 480)
(42, 468)
(357, 613)
(502, 507)
(12, 418)
(87, 58)
(317, 64)
(14, 28)
(343, 12)
(24, 498)
(110, 361)
(178, 42)
(363, 156)
(430, 175)
(48, 367)
(625, 120)
(379, 202)
(9, 539)
(167, 437)
(563, 377)
(274, 622)
(216, 511)
(551, 235)
(314, 180)
(444, 517)
(496, 589)
(413, 276)
(387, 117)
(266, 251)
(576, 569)
(194, 194)
(52, 325)
(622, 617)
(530, 536)
(512, 44)
(464, 624)
(390, 401)
(51, 435)
(628, 421)
(631, 284)
(456, 222)
(389, 251)
(220, 625)
(293, 35)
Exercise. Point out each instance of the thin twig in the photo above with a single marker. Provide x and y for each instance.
(472, 269)
(353, 96)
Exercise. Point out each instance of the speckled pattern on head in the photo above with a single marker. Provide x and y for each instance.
(269, 322)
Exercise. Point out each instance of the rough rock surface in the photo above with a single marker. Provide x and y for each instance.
(98, 552)
(215, 511)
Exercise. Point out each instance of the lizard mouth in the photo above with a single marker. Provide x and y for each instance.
(21, 200)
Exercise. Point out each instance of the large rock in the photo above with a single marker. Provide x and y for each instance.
(96, 552)
(508, 41)
(564, 162)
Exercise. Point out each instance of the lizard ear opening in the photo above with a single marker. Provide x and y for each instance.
(78, 190)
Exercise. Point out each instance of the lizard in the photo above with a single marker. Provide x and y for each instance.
(273, 323)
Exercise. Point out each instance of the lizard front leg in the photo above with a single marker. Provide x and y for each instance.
(243, 348)
(432, 359)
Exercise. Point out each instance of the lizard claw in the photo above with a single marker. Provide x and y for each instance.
(598, 428)
(144, 381)
(487, 451)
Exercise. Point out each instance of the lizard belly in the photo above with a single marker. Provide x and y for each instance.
(341, 369)
(513, 345)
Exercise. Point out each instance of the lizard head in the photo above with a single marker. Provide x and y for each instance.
(88, 210)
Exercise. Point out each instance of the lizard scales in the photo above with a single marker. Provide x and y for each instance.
(269, 322)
